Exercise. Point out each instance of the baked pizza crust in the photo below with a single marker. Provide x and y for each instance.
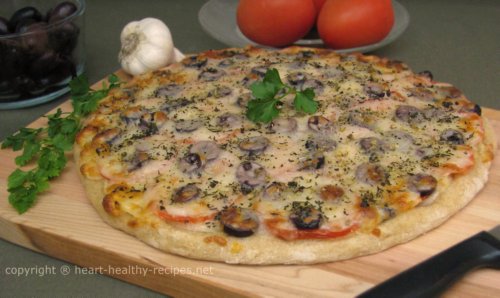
(266, 249)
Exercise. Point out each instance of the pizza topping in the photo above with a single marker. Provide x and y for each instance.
(186, 193)
(207, 150)
(131, 114)
(315, 85)
(477, 109)
(259, 70)
(374, 90)
(331, 192)
(424, 184)
(362, 118)
(168, 91)
(314, 162)
(371, 145)
(323, 143)
(427, 74)
(242, 100)
(452, 136)
(152, 121)
(254, 145)
(229, 120)
(239, 222)
(175, 104)
(274, 190)
(250, 175)
(371, 174)
(211, 74)
(296, 79)
(188, 125)
(138, 160)
(319, 124)
(449, 91)
(194, 61)
(409, 114)
(108, 136)
(190, 163)
(305, 216)
(222, 91)
(283, 125)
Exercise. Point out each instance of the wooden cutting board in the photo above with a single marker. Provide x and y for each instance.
(64, 225)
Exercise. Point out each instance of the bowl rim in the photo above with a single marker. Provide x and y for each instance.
(79, 12)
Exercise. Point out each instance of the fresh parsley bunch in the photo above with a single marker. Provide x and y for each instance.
(47, 145)
(268, 94)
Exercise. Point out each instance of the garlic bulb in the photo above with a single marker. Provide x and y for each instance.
(146, 45)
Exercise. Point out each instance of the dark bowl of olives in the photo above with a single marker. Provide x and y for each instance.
(41, 49)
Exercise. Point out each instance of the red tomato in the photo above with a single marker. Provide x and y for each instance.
(353, 23)
(288, 234)
(185, 218)
(275, 22)
(319, 4)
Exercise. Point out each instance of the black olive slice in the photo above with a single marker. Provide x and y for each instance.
(427, 73)
(315, 85)
(211, 74)
(318, 123)
(409, 114)
(229, 120)
(374, 90)
(186, 193)
(315, 162)
(424, 184)
(452, 136)
(169, 90)
(188, 125)
(274, 190)
(371, 174)
(140, 157)
(251, 174)
(194, 61)
(305, 216)
(207, 150)
(371, 145)
(283, 125)
(239, 222)
(296, 79)
(191, 162)
(254, 145)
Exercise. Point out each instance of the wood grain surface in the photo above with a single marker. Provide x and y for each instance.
(64, 225)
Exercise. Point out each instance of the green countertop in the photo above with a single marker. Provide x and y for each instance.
(458, 40)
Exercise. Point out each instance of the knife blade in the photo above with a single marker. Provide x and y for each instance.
(435, 275)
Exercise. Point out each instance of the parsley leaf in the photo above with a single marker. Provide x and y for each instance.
(262, 110)
(49, 144)
(266, 104)
(304, 101)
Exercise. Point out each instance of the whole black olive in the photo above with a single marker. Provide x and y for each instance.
(27, 12)
(61, 11)
(23, 25)
(4, 27)
(24, 84)
(64, 37)
(5, 86)
(13, 58)
(35, 41)
(44, 64)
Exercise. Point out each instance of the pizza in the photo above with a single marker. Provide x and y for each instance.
(172, 158)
